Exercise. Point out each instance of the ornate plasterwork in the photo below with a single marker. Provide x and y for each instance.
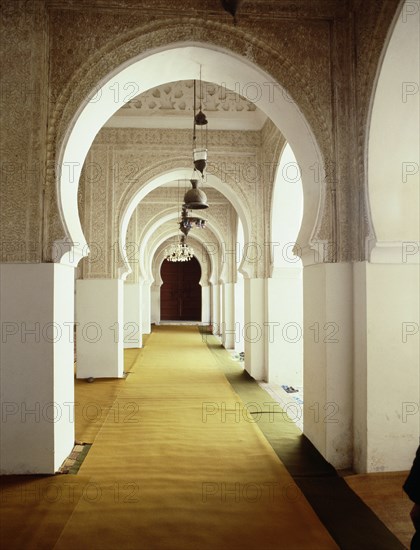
(372, 33)
(200, 253)
(273, 143)
(187, 29)
(23, 100)
(178, 97)
(302, 45)
(163, 202)
(122, 161)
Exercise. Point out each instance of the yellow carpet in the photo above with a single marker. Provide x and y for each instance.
(168, 470)
(176, 464)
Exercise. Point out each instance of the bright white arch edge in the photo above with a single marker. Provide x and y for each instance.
(180, 61)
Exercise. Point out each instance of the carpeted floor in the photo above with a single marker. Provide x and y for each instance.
(178, 462)
(356, 518)
(175, 473)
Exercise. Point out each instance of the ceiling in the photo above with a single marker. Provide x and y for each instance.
(172, 106)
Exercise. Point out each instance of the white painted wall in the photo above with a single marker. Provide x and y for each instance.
(228, 315)
(100, 334)
(145, 309)
(285, 329)
(387, 379)
(132, 316)
(155, 304)
(328, 360)
(205, 304)
(285, 287)
(386, 293)
(239, 313)
(393, 161)
(37, 370)
(239, 291)
(215, 309)
(254, 331)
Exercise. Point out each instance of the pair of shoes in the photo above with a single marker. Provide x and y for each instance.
(289, 389)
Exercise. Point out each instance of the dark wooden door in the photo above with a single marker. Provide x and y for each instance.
(180, 293)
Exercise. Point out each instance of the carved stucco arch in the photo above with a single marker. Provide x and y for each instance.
(159, 257)
(151, 237)
(160, 35)
(391, 249)
(169, 170)
(123, 52)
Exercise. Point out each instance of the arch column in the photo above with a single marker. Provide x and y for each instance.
(155, 303)
(285, 327)
(205, 303)
(387, 378)
(228, 327)
(328, 360)
(132, 315)
(146, 307)
(254, 330)
(215, 308)
(239, 313)
(37, 367)
(100, 328)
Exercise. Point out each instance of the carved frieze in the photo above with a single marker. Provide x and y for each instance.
(326, 56)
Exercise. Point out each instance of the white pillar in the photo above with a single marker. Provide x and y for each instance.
(254, 330)
(37, 367)
(155, 304)
(132, 317)
(205, 304)
(100, 335)
(285, 326)
(145, 308)
(328, 360)
(239, 314)
(228, 315)
(215, 309)
(387, 394)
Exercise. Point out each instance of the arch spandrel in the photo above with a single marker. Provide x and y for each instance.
(239, 64)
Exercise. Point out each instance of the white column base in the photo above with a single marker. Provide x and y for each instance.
(37, 367)
(328, 361)
(254, 330)
(155, 304)
(285, 327)
(215, 310)
(205, 304)
(100, 337)
(239, 314)
(387, 378)
(145, 309)
(228, 315)
(132, 316)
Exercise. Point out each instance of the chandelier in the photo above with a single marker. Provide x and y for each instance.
(195, 198)
(189, 222)
(179, 252)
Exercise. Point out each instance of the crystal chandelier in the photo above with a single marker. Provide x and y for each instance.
(179, 252)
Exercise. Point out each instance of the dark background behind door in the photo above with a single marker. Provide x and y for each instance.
(180, 293)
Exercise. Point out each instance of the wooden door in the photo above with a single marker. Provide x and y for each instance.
(180, 293)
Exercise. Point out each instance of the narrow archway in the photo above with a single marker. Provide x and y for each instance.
(180, 293)
(175, 63)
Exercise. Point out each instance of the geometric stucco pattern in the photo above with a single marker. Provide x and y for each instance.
(148, 215)
(178, 97)
(122, 161)
(324, 54)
